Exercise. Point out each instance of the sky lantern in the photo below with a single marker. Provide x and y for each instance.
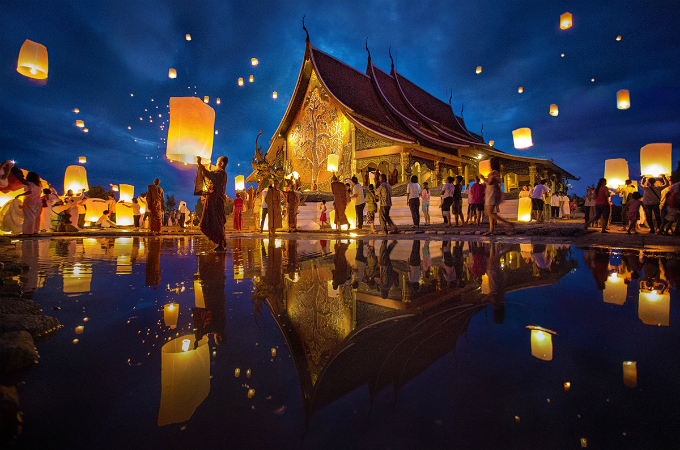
(85, 130)
(217, 100)
(172, 73)
(618, 38)
(188, 37)
(32, 61)
(170, 315)
(615, 290)
(254, 61)
(333, 162)
(185, 378)
(75, 179)
(566, 20)
(541, 343)
(554, 111)
(190, 133)
(76, 110)
(522, 138)
(520, 89)
(524, 210)
(479, 69)
(206, 99)
(654, 305)
(82, 160)
(630, 373)
(616, 172)
(95, 207)
(80, 123)
(275, 95)
(126, 192)
(124, 217)
(251, 79)
(240, 81)
(485, 167)
(623, 99)
(239, 182)
(491, 143)
(656, 160)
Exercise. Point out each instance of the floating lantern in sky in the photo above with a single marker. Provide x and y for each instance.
(190, 133)
(82, 159)
(216, 132)
(206, 99)
(75, 179)
(524, 210)
(254, 61)
(654, 305)
(485, 167)
(251, 79)
(615, 290)
(656, 160)
(95, 207)
(479, 69)
(239, 182)
(618, 38)
(85, 130)
(33, 60)
(170, 315)
(76, 110)
(188, 37)
(333, 162)
(541, 343)
(275, 95)
(623, 99)
(565, 20)
(126, 192)
(562, 55)
(520, 89)
(217, 100)
(522, 138)
(630, 373)
(554, 111)
(240, 81)
(80, 123)
(172, 73)
(491, 143)
(616, 172)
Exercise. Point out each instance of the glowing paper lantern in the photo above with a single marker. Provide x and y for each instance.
(491, 143)
(85, 130)
(630, 373)
(76, 110)
(206, 99)
(554, 111)
(80, 123)
(524, 210)
(541, 344)
(239, 182)
(126, 192)
(615, 290)
(82, 160)
(185, 378)
(124, 214)
(656, 160)
(623, 99)
(188, 37)
(254, 61)
(75, 179)
(190, 134)
(170, 315)
(654, 307)
(485, 167)
(240, 81)
(565, 20)
(616, 172)
(520, 89)
(218, 100)
(251, 79)
(522, 138)
(479, 69)
(95, 207)
(275, 95)
(333, 162)
(32, 60)
(618, 38)
(172, 73)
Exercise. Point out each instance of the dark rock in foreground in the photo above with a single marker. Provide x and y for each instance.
(36, 325)
(18, 306)
(17, 351)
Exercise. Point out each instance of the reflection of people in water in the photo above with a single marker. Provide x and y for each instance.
(152, 268)
(541, 258)
(478, 259)
(372, 267)
(359, 265)
(449, 269)
(496, 294)
(388, 276)
(415, 273)
(597, 261)
(459, 262)
(292, 258)
(212, 318)
(341, 272)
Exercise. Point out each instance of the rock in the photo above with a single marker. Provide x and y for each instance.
(10, 290)
(11, 417)
(17, 351)
(36, 325)
(18, 306)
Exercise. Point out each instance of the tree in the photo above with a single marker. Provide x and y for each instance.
(170, 201)
(99, 192)
(318, 134)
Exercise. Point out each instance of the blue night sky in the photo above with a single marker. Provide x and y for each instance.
(100, 52)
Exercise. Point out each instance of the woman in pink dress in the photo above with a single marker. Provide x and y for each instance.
(32, 205)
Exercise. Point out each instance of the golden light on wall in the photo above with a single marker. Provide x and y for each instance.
(623, 99)
(217, 100)
(170, 315)
(275, 95)
(616, 172)
(75, 178)
(654, 306)
(251, 79)
(172, 73)
(77, 278)
(333, 162)
(630, 373)
(554, 110)
(206, 99)
(522, 138)
(32, 61)
(541, 343)
(656, 160)
(615, 290)
(188, 37)
(80, 123)
(254, 61)
(479, 69)
(485, 167)
(240, 81)
(239, 182)
(520, 89)
(190, 133)
(565, 20)
(524, 210)
(127, 192)
(185, 378)
(82, 160)
(491, 143)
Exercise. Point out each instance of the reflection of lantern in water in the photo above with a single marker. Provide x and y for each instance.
(32, 61)
(554, 110)
(77, 278)
(513, 260)
(615, 290)
(616, 172)
(656, 159)
(239, 182)
(185, 379)
(479, 69)
(541, 343)
(190, 134)
(522, 138)
(333, 162)
(239, 271)
(623, 99)
(75, 179)
(485, 167)
(82, 160)
(127, 192)
(170, 315)
(654, 306)
(172, 73)
(524, 210)
(630, 373)
(565, 20)
(486, 289)
(80, 329)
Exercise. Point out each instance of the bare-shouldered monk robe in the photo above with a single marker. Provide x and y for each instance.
(340, 196)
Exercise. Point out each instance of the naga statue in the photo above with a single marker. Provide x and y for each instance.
(264, 172)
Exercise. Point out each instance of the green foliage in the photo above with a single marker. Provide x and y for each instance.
(99, 192)
(170, 201)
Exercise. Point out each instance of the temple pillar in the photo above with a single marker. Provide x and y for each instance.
(532, 176)
(405, 166)
(466, 175)
(352, 141)
(435, 174)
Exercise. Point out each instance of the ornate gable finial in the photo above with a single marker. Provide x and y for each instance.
(304, 28)
(450, 97)
(481, 132)
(462, 107)
(389, 50)
(369, 52)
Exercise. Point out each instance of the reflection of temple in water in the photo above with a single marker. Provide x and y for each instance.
(400, 305)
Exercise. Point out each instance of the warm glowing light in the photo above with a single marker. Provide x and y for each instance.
(82, 160)
(251, 393)
(85, 130)
(80, 123)
(618, 38)
(251, 79)
(217, 100)
(273, 352)
(239, 182)
(127, 192)
(248, 373)
(254, 61)
(623, 99)
(275, 95)
(240, 81)
(190, 133)
(567, 386)
(565, 20)
(170, 315)
(654, 308)
(656, 160)
(524, 210)
(188, 37)
(522, 138)
(32, 61)
(206, 99)
(333, 162)
(80, 329)
(237, 372)
(185, 344)
(485, 167)
(616, 172)
(554, 111)
(479, 69)
(615, 290)
(172, 73)
(541, 344)
(114, 187)
(630, 373)
(562, 55)
(217, 132)
(76, 110)
(520, 89)
(75, 178)
(491, 143)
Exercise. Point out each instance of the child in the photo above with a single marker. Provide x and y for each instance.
(425, 202)
(238, 212)
(457, 206)
(634, 211)
(371, 206)
(323, 217)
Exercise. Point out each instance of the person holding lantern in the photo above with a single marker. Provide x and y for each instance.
(213, 220)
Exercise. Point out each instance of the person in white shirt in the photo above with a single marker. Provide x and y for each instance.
(104, 221)
(413, 195)
(136, 212)
(359, 201)
(537, 202)
(555, 205)
(447, 200)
